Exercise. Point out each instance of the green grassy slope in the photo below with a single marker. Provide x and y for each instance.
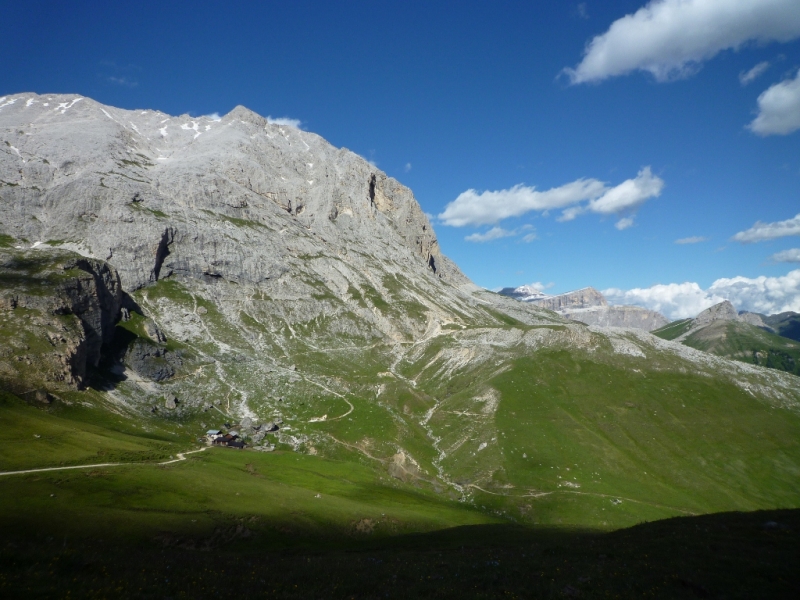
(786, 324)
(747, 343)
(620, 443)
(673, 330)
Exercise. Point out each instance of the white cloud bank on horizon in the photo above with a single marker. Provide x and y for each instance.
(288, 121)
(761, 232)
(491, 207)
(778, 108)
(670, 38)
(767, 295)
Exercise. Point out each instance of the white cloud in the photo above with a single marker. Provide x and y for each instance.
(670, 38)
(778, 108)
(581, 10)
(489, 208)
(213, 116)
(629, 194)
(750, 76)
(767, 295)
(791, 256)
(761, 232)
(624, 223)
(673, 300)
(695, 239)
(287, 121)
(407, 168)
(495, 233)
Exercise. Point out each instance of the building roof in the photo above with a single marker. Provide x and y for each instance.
(213, 432)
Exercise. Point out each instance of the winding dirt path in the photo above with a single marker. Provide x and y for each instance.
(181, 456)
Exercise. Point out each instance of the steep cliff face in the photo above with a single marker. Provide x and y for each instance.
(160, 195)
(58, 310)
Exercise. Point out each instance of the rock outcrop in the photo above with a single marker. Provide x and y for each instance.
(724, 311)
(71, 301)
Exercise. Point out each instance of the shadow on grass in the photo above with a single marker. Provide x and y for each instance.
(725, 555)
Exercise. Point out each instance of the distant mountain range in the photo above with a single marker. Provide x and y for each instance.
(589, 306)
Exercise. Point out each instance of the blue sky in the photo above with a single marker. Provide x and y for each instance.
(653, 121)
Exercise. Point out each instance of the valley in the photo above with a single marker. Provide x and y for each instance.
(163, 276)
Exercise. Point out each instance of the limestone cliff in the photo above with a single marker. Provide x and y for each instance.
(58, 310)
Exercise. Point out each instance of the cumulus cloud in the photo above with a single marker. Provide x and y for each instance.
(673, 300)
(746, 77)
(768, 295)
(215, 116)
(761, 232)
(695, 239)
(670, 38)
(489, 208)
(629, 194)
(778, 108)
(286, 121)
(790, 256)
(495, 233)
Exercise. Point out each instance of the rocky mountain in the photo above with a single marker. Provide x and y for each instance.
(253, 271)
(744, 336)
(785, 324)
(589, 306)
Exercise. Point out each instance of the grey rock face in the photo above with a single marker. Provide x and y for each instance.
(150, 361)
(754, 319)
(160, 195)
(724, 311)
(619, 316)
(154, 333)
(52, 285)
(583, 298)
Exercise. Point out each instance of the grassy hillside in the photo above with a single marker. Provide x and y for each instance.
(747, 343)
(673, 330)
(786, 324)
